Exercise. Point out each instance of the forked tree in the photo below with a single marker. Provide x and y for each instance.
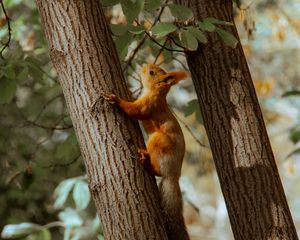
(125, 196)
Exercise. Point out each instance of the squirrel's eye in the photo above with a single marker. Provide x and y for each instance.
(151, 72)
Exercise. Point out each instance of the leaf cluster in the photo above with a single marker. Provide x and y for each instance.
(76, 224)
(182, 33)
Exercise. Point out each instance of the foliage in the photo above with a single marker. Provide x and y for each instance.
(183, 33)
(37, 140)
(193, 107)
(76, 223)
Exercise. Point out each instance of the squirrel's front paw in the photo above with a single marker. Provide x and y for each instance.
(111, 98)
(144, 155)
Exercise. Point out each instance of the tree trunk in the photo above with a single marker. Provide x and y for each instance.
(247, 171)
(83, 53)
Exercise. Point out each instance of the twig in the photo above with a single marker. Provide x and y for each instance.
(47, 127)
(13, 177)
(141, 42)
(160, 13)
(48, 75)
(42, 126)
(189, 130)
(160, 51)
(8, 28)
(178, 45)
(137, 91)
(63, 164)
(45, 106)
(136, 78)
(54, 224)
(164, 47)
(135, 51)
(193, 206)
(38, 145)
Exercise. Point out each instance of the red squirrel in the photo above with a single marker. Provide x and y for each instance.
(165, 147)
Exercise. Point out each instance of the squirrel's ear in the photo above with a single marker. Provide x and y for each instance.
(177, 76)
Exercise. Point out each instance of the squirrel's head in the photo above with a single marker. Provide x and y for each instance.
(154, 77)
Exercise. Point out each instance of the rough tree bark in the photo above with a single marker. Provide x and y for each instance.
(85, 58)
(247, 171)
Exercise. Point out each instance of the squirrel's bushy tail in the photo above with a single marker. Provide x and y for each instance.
(171, 202)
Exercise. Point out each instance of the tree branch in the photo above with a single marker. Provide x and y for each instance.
(141, 42)
(63, 164)
(189, 130)
(160, 51)
(8, 28)
(33, 123)
(164, 47)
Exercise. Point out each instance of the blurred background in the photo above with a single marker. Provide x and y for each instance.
(43, 189)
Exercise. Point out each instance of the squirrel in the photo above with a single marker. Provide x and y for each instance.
(165, 149)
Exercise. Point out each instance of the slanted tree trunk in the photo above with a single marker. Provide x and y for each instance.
(247, 171)
(83, 53)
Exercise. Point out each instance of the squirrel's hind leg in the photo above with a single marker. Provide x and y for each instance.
(148, 163)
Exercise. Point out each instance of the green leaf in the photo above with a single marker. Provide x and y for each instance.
(69, 149)
(11, 3)
(217, 21)
(109, 3)
(8, 90)
(41, 50)
(198, 34)
(122, 44)
(295, 152)
(67, 120)
(118, 29)
(136, 29)
(78, 234)
(151, 5)
(10, 71)
(206, 26)
(131, 9)
(23, 75)
(42, 235)
(190, 108)
(181, 12)
(96, 224)
(101, 237)
(34, 60)
(188, 41)
(62, 191)
(19, 230)
(81, 195)
(35, 70)
(193, 107)
(295, 136)
(163, 29)
(291, 93)
(227, 37)
(70, 218)
(67, 233)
